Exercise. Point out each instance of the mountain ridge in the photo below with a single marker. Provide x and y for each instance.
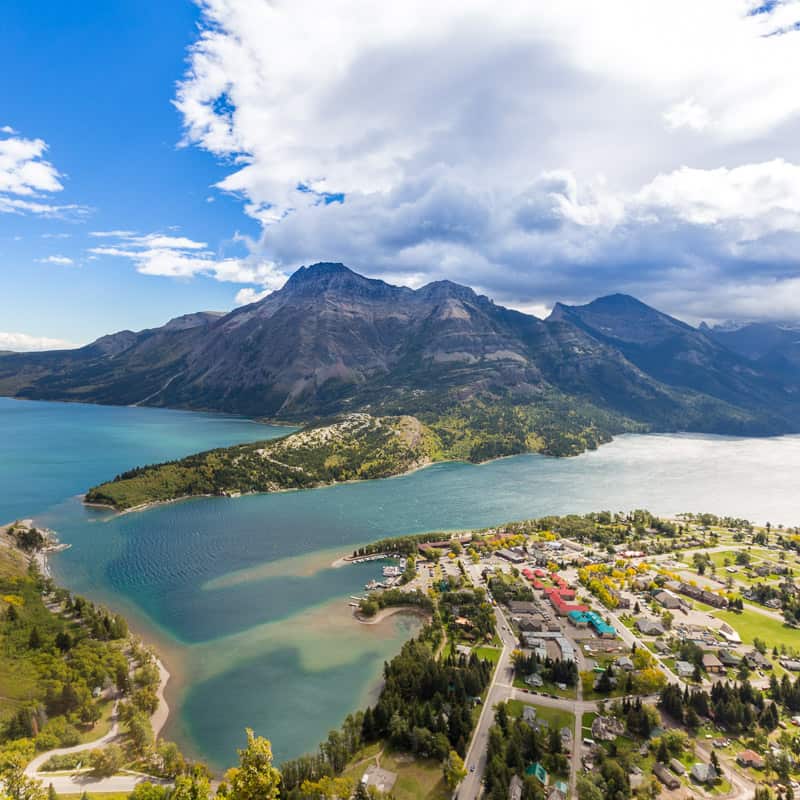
(332, 341)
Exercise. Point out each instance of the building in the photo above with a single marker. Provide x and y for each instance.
(665, 776)
(649, 627)
(514, 556)
(529, 715)
(515, 787)
(729, 634)
(703, 773)
(538, 772)
(684, 669)
(677, 767)
(534, 680)
(606, 729)
(581, 619)
(749, 758)
(729, 659)
(712, 664)
(668, 600)
(790, 664)
(523, 607)
(623, 662)
(756, 660)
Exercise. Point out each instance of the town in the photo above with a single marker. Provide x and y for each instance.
(652, 657)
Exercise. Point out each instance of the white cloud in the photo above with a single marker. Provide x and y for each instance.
(687, 114)
(7, 129)
(23, 342)
(27, 180)
(181, 257)
(246, 296)
(537, 153)
(60, 260)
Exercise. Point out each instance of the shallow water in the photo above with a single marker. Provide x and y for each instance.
(240, 591)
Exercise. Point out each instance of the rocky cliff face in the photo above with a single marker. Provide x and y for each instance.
(332, 341)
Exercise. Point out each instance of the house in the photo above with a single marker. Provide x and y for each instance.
(756, 660)
(529, 715)
(623, 662)
(566, 738)
(677, 767)
(522, 607)
(703, 773)
(790, 664)
(668, 600)
(728, 659)
(749, 758)
(515, 787)
(534, 680)
(665, 776)
(606, 728)
(464, 650)
(712, 664)
(649, 627)
(538, 772)
(514, 556)
(729, 634)
(684, 669)
(381, 779)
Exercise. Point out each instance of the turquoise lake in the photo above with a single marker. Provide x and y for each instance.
(239, 593)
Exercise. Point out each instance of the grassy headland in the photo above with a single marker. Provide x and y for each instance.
(362, 447)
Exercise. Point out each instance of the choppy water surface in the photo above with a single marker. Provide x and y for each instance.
(240, 592)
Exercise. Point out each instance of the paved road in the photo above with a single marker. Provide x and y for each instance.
(84, 781)
(499, 690)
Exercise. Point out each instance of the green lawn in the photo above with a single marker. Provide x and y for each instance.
(750, 625)
(586, 722)
(416, 779)
(571, 692)
(488, 653)
(554, 717)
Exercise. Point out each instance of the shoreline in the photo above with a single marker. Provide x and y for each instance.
(390, 611)
(161, 716)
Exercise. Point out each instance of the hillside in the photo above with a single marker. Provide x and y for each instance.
(332, 342)
(357, 447)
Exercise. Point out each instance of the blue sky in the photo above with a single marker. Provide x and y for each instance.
(98, 83)
(537, 155)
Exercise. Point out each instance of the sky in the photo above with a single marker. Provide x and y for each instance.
(163, 158)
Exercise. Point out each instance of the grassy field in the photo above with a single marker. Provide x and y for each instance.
(488, 653)
(554, 717)
(96, 796)
(416, 779)
(750, 625)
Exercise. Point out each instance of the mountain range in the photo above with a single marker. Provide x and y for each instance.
(332, 341)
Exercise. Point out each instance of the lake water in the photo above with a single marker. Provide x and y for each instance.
(239, 593)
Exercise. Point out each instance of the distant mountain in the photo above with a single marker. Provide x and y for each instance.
(332, 341)
(773, 347)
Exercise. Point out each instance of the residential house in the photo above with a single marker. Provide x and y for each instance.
(623, 662)
(665, 776)
(677, 767)
(515, 787)
(649, 627)
(529, 715)
(712, 664)
(566, 738)
(749, 758)
(790, 664)
(756, 660)
(538, 772)
(523, 607)
(729, 634)
(703, 773)
(534, 680)
(606, 729)
(668, 600)
(684, 669)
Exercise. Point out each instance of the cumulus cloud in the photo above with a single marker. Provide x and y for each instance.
(23, 342)
(27, 179)
(536, 153)
(181, 257)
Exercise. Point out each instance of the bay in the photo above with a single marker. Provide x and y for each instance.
(241, 595)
